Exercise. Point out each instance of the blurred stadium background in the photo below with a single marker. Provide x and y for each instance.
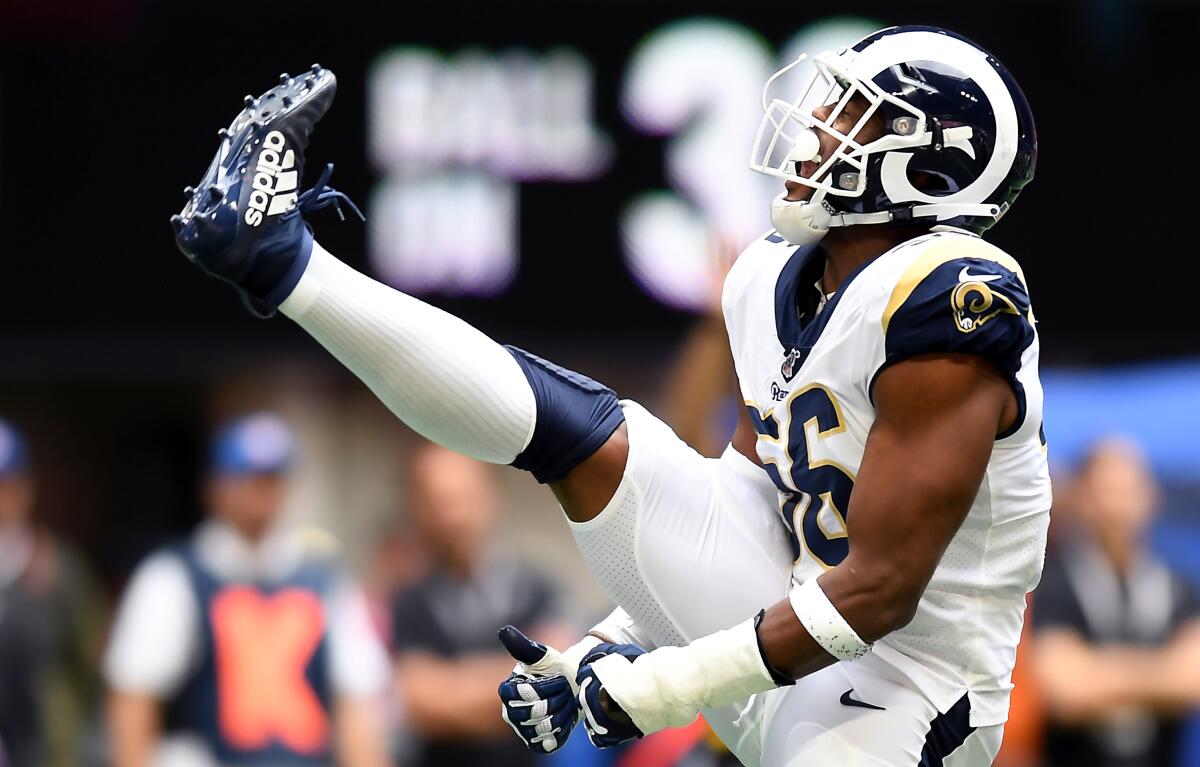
(563, 175)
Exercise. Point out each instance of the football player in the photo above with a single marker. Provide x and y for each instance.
(888, 359)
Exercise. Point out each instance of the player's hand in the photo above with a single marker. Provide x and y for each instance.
(537, 700)
(607, 725)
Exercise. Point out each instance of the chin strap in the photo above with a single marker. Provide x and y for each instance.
(853, 219)
(938, 211)
(944, 211)
(806, 222)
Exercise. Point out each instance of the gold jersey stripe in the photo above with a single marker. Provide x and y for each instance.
(943, 252)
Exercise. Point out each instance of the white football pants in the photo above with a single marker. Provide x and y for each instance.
(690, 545)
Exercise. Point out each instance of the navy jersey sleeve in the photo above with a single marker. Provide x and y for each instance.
(962, 306)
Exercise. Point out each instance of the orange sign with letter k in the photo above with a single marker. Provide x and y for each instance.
(263, 647)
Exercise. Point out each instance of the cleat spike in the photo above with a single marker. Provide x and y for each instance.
(187, 190)
(248, 100)
(243, 244)
(315, 68)
(283, 78)
(223, 132)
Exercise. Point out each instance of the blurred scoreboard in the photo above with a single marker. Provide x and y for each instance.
(456, 135)
(558, 170)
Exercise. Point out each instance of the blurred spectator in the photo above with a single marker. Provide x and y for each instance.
(245, 644)
(1116, 634)
(51, 621)
(700, 397)
(449, 661)
(398, 559)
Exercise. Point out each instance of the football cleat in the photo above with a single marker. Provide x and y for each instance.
(242, 223)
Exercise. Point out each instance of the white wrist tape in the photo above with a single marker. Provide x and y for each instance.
(669, 686)
(619, 628)
(573, 654)
(826, 625)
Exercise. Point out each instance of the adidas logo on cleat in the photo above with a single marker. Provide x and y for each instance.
(275, 180)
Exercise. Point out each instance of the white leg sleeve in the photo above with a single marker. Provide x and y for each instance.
(442, 377)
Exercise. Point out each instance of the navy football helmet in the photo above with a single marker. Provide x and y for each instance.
(959, 140)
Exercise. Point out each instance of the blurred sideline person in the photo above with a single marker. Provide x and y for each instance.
(699, 398)
(245, 644)
(444, 625)
(1025, 731)
(396, 560)
(51, 622)
(1117, 634)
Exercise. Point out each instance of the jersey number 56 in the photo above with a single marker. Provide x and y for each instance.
(815, 492)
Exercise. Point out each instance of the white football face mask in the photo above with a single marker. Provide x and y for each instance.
(789, 136)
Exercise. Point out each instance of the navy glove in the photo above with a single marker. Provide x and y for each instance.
(537, 700)
(606, 727)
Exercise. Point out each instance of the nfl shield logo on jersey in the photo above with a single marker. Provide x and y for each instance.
(788, 369)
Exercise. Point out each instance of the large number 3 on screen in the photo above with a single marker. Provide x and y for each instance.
(816, 491)
(699, 83)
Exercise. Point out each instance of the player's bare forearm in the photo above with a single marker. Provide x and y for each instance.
(360, 733)
(1179, 668)
(1083, 683)
(133, 728)
(696, 384)
(937, 417)
(452, 698)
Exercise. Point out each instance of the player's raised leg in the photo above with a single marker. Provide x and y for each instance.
(686, 545)
(442, 377)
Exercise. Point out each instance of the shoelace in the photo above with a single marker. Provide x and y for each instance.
(322, 196)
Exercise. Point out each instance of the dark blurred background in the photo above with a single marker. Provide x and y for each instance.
(559, 174)
(108, 108)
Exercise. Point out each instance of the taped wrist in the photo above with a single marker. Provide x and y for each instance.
(571, 657)
(669, 686)
(619, 628)
(826, 625)
(781, 679)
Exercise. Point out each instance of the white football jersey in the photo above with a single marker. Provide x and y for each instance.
(806, 367)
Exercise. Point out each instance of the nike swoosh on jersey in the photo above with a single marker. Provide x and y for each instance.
(964, 276)
(848, 701)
